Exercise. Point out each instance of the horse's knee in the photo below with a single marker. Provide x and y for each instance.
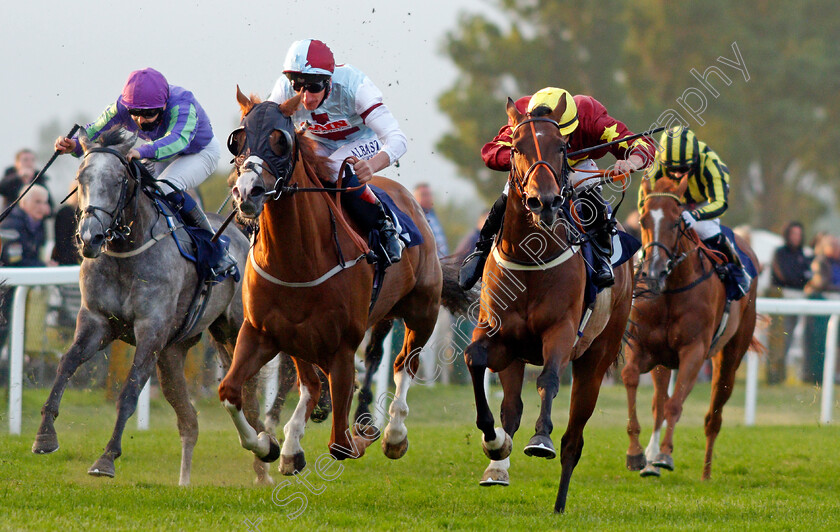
(475, 355)
(673, 409)
(712, 424)
(630, 376)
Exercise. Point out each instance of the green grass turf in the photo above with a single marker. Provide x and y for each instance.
(780, 475)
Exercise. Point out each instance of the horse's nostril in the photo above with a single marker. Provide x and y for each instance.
(97, 240)
(556, 203)
(235, 193)
(257, 191)
(533, 204)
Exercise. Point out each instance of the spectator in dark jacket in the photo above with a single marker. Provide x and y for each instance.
(23, 231)
(23, 237)
(66, 252)
(790, 272)
(19, 176)
(791, 267)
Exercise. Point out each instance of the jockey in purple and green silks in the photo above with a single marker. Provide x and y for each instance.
(180, 140)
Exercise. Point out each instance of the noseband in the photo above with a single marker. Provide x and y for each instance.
(520, 182)
(118, 229)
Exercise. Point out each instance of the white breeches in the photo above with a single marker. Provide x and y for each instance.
(189, 171)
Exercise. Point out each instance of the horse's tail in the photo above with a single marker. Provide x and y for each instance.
(454, 298)
(762, 321)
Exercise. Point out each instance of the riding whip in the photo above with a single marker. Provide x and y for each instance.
(35, 179)
(573, 154)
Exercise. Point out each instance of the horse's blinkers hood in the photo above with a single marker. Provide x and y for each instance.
(258, 125)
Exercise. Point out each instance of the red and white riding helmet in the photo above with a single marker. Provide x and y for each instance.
(309, 56)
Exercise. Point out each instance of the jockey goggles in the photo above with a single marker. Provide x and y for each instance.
(309, 84)
(145, 113)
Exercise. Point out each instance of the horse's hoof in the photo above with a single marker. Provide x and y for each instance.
(104, 467)
(45, 443)
(650, 470)
(502, 452)
(368, 432)
(636, 462)
(495, 477)
(664, 461)
(319, 414)
(541, 447)
(289, 465)
(273, 449)
(395, 451)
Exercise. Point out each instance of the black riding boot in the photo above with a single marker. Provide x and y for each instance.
(601, 231)
(473, 265)
(372, 216)
(727, 247)
(194, 216)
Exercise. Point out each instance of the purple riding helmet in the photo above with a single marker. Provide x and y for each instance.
(145, 89)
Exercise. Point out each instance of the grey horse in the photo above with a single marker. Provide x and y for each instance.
(138, 289)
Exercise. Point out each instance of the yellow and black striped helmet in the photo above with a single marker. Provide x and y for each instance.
(678, 148)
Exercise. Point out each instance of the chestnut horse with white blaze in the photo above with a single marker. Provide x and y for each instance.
(307, 287)
(540, 324)
(678, 323)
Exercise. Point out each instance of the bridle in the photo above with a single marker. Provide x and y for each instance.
(520, 182)
(674, 260)
(118, 229)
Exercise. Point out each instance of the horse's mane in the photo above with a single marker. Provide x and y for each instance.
(116, 136)
(309, 154)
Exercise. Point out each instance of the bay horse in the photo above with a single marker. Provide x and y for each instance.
(531, 311)
(307, 293)
(136, 287)
(675, 324)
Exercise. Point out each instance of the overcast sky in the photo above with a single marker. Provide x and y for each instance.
(61, 60)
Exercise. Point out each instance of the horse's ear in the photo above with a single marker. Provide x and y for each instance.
(557, 112)
(83, 139)
(245, 104)
(683, 184)
(645, 186)
(291, 105)
(127, 141)
(514, 116)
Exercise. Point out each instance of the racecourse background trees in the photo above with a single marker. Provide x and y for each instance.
(776, 130)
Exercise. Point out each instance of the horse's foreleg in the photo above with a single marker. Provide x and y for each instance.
(691, 360)
(343, 443)
(587, 373)
(557, 348)
(661, 379)
(253, 351)
(91, 334)
(511, 413)
(173, 384)
(149, 346)
(292, 457)
(725, 365)
(287, 376)
(417, 333)
(373, 358)
(635, 460)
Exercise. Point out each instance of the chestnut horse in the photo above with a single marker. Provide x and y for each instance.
(676, 326)
(307, 293)
(531, 312)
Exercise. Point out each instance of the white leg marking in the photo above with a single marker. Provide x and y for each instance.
(248, 438)
(296, 425)
(498, 441)
(396, 431)
(653, 447)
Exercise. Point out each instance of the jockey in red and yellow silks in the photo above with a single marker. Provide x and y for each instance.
(585, 123)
